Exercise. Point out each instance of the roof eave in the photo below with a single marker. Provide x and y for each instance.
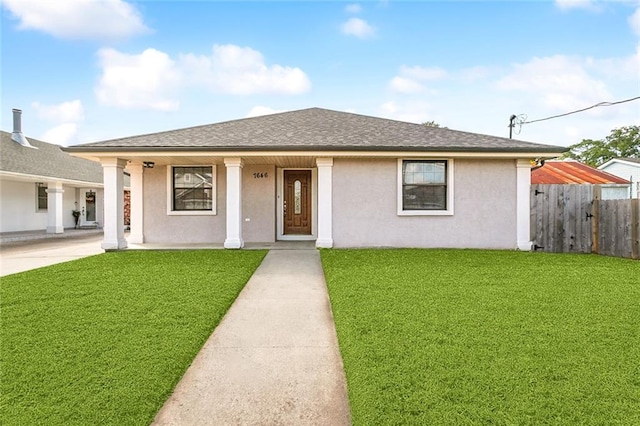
(44, 178)
(619, 160)
(552, 150)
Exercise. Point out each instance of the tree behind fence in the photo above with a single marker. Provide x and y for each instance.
(573, 219)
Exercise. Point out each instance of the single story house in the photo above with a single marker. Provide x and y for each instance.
(626, 168)
(41, 185)
(337, 178)
(571, 172)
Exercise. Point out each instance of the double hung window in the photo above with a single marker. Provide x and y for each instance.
(425, 187)
(193, 189)
(42, 201)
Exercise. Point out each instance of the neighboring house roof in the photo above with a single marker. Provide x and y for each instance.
(315, 129)
(635, 162)
(47, 161)
(563, 172)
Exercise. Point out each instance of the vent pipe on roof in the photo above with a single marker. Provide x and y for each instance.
(17, 135)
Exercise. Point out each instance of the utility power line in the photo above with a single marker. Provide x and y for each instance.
(601, 104)
(520, 120)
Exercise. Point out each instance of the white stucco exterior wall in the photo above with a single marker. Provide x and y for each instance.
(18, 209)
(365, 211)
(162, 228)
(69, 205)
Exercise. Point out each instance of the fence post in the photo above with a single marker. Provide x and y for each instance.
(595, 219)
(635, 228)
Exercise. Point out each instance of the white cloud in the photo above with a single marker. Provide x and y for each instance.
(620, 69)
(481, 99)
(66, 115)
(474, 73)
(78, 19)
(561, 82)
(137, 81)
(405, 85)
(410, 79)
(259, 110)
(70, 111)
(353, 8)
(151, 79)
(358, 28)
(575, 4)
(242, 71)
(634, 22)
(62, 134)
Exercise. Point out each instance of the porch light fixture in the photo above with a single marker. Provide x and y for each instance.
(148, 164)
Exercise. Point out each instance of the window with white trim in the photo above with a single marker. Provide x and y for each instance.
(42, 201)
(425, 187)
(192, 189)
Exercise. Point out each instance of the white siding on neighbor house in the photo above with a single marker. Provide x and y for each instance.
(615, 192)
(365, 211)
(18, 209)
(162, 228)
(626, 171)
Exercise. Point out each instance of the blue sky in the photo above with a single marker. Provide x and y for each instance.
(84, 70)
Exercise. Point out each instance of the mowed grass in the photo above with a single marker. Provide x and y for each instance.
(487, 337)
(105, 339)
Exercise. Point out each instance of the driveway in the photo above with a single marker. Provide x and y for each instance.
(23, 256)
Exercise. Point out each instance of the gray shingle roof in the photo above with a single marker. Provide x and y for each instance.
(48, 160)
(315, 129)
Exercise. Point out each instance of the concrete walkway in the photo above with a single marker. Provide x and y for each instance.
(24, 255)
(274, 358)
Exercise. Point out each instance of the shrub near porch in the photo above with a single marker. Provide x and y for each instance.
(469, 337)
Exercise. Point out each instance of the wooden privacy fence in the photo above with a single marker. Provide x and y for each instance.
(574, 219)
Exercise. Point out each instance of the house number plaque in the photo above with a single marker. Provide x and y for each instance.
(260, 175)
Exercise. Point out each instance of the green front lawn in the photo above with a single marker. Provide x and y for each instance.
(487, 337)
(104, 340)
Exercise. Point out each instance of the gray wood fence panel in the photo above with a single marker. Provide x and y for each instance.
(618, 228)
(573, 219)
(583, 220)
(559, 215)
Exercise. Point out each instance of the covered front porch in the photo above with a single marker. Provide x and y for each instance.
(241, 201)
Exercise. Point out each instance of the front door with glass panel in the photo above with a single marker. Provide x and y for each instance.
(88, 202)
(296, 205)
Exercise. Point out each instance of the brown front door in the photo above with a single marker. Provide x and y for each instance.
(297, 202)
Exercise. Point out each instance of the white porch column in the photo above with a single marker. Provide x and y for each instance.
(54, 208)
(325, 197)
(136, 219)
(234, 203)
(113, 172)
(523, 208)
